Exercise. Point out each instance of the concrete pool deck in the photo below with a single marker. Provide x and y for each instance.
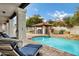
(49, 51)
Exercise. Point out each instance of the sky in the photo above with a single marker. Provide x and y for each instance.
(53, 11)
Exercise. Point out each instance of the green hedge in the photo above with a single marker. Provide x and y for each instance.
(61, 31)
(58, 32)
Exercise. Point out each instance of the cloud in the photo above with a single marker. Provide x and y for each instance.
(59, 15)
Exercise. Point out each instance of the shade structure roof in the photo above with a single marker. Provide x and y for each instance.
(7, 10)
(42, 24)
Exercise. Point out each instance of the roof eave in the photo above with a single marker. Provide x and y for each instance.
(23, 5)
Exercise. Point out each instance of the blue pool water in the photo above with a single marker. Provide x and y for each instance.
(70, 46)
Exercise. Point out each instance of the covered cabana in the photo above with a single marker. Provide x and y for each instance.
(42, 28)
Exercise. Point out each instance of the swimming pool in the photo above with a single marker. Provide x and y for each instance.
(70, 46)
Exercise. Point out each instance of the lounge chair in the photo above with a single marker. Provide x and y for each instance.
(6, 49)
(28, 50)
(1, 54)
(4, 35)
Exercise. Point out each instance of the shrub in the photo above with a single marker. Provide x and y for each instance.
(55, 32)
(61, 31)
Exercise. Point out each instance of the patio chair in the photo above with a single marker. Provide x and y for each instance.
(28, 50)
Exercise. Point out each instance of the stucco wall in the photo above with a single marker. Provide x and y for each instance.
(74, 30)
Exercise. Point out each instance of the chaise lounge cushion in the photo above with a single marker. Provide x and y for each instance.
(28, 50)
(34, 45)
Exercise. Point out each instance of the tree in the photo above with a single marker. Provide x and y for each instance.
(68, 21)
(72, 20)
(34, 20)
(76, 17)
(50, 21)
(58, 23)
